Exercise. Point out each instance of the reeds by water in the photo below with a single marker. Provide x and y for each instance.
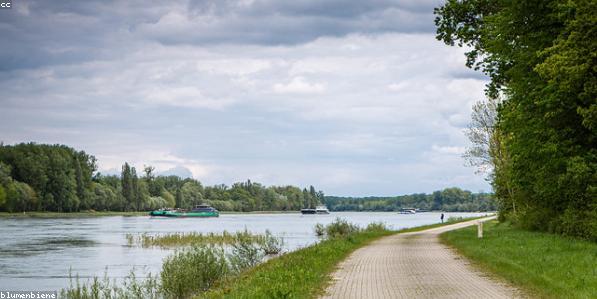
(181, 239)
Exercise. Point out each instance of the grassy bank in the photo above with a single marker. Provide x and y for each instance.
(304, 273)
(231, 265)
(299, 274)
(543, 265)
(69, 214)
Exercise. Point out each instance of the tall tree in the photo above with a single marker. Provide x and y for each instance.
(136, 190)
(540, 56)
(127, 184)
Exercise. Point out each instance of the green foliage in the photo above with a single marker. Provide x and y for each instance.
(376, 227)
(2, 196)
(245, 254)
(193, 270)
(131, 287)
(299, 274)
(57, 178)
(170, 240)
(319, 229)
(271, 244)
(545, 265)
(340, 228)
(540, 57)
(449, 200)
(54, 172)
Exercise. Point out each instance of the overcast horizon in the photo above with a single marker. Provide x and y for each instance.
(355, 98)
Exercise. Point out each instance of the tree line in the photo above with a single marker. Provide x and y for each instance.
(448, 200)
(536, 131)
(57, 178)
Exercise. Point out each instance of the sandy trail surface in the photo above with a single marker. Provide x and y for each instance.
(413, 265)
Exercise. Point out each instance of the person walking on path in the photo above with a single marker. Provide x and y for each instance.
(442, 217)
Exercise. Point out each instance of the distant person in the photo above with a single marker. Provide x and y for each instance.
(442, 217)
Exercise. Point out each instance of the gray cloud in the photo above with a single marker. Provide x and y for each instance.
(39, 33)
(356, 100)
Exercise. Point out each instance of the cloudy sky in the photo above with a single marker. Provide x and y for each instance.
(354, 97)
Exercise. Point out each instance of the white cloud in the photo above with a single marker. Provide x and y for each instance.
(187, 96)
(355, 114)
(450, 150)
(299, 85)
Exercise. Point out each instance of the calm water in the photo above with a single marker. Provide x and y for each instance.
(37, 254)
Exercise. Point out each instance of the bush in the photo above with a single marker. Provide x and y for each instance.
(193, 270)
(376, 227)
(340, 228)
(271, 244)
(245, 254)
(147, 288)
(319, 229)
(187, 272)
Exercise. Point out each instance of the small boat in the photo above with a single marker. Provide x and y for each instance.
(317, 210)
(407, 211)
(322, 210)
(197, 211)
(308, 211)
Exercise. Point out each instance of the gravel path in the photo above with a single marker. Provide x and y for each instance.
(413, 265)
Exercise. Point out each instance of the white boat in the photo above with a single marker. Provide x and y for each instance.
(322, 210)
(407, 211)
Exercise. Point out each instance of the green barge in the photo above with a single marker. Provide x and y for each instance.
(197, 211)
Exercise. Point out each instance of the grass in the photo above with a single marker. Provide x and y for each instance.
(208, 271)
(543, 265)
(170, 240)
(299, 274)
(69, 214)
(305, 273)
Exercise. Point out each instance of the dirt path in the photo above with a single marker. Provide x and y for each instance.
(412, 265)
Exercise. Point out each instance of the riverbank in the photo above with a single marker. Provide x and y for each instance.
(113, 213)
(127, 214)
(304, 273)
(70, 214)
(543, 265)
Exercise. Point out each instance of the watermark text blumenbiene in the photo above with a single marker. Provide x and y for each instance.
(28, 294)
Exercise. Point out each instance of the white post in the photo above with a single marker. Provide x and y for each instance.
(480, 229)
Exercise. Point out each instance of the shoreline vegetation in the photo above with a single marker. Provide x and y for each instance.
(305, 273)
(59, 179)
(541, 264)
(173, 240)
(83, 214)
(247, 266)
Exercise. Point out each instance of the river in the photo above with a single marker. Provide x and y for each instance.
(38, 254)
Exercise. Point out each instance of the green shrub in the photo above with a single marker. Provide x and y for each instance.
(376, 227)
(271, 244)
(104, 288)
(245, 254)
(340, 228)
(319, 229)
(193, 270)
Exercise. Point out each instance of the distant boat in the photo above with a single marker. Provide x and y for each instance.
(197, 211)
(322, 210)
(407, 211)
(318, 210)
(308, 211)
